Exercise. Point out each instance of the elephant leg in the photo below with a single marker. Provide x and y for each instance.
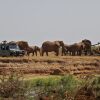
(85, 53)
(47, 53)
(28, 53)
(79, 53)
(66, 53)
(73, 53)
(57, 53)
(63, 53)
(33, 53)
(42, 53)
(70, 53)
(36, 53)
(90, 52)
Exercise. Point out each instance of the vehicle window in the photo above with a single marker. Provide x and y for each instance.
(12, 46)
(17, 47)
(3, 47)
(7, 47)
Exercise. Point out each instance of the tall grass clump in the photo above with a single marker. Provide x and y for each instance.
(90, 90)
(94, 84)
(12, 85)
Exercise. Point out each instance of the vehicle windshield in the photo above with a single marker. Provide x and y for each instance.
(13, 47)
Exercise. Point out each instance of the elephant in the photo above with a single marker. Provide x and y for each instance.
(35, 50)
(29, 50)
(65, 50)
(79, 48)
(32, 50)
(75, 49)
(23, 45)
(87, 46)
(61, 44)
(49, 46)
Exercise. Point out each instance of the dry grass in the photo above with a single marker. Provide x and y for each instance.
(77, 65)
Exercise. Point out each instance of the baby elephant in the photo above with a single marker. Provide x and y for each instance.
(36, 49)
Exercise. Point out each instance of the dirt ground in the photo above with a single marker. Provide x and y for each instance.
(52, 65)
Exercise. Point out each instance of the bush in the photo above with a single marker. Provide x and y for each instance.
(54, 88)
(12, 84)
(95, 85)
(89, 90)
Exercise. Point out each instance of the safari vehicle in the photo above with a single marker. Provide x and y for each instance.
(96, 49)
(10, 49)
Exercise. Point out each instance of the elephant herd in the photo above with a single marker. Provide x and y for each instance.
(23, 45)
(81, 48)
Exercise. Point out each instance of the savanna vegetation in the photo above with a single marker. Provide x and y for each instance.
(73, 76)
(13, 86)
(50, 78)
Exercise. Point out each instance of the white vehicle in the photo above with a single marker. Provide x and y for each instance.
(10, 49)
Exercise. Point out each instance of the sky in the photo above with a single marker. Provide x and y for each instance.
(37, 21)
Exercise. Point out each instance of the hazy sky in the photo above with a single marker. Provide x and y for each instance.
(38, 20)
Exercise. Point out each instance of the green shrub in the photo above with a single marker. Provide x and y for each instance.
(54, 87)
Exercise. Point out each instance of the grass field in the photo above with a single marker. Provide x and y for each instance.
(52, 65)
(51, 77)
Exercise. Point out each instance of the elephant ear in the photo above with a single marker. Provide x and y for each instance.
(86, 41)
(61, 43)
(57, 43)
